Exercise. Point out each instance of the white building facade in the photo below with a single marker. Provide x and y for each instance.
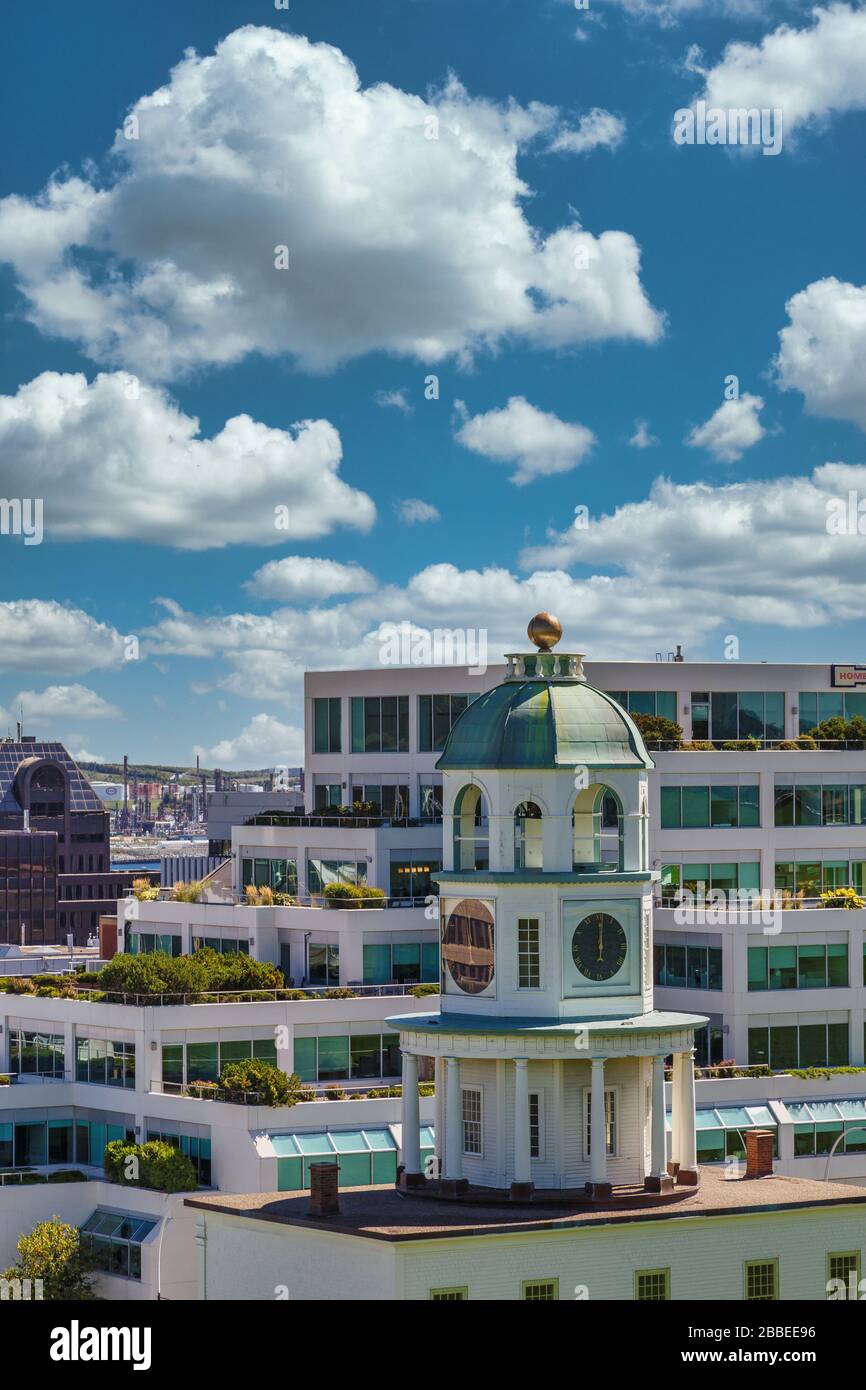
(762, 815)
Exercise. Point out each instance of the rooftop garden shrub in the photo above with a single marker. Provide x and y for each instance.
(422, 991)
(341, 993)
(702, 745)
(203, 972)
(655, 730)
(823, 1073)
(255, 1082)
(155, 1164)
(360, 893)
(743, 745)
(5, 1080)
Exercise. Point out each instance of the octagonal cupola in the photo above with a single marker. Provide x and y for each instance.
(544, 818)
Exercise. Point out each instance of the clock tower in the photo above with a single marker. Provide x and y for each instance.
(549, 1054)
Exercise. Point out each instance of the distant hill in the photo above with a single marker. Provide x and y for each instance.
(162, 772)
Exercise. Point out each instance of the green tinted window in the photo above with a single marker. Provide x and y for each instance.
(671, 816)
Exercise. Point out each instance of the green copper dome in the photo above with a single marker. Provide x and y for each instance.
(544, 724)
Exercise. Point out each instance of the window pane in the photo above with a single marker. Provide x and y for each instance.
(783, 967)
(201, 1061)
(749, 806)
(783, 1047)
(751, 714)
(758, 967)
(696, 807)
(670, 808)
(724, 714)
(333, 1058)
(784, 805)
(724, 807)
(812, 967)
(807, 805)
(304, 1064)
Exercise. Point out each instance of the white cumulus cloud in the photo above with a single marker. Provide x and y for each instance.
(400, 221)
(42, 635)
(597, 129)
(414, 510)
(811, 74)
(536, 441)
(264, 742)
(308, 577)
(730, 430)
(643, 438)
(822, 349)
(63, 702)
(116, 458)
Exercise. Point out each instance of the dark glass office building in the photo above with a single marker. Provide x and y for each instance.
(55, 858)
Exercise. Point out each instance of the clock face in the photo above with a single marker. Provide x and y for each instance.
(598, 946)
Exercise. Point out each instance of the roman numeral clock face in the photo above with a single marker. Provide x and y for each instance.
(599, 946)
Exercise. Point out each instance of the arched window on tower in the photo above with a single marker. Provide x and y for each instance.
(528, 830)
(598, 828)
(471, 829)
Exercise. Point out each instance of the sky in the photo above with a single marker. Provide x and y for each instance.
(323, 317)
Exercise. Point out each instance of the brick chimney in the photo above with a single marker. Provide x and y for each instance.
(324, 1189)
(759, 1153)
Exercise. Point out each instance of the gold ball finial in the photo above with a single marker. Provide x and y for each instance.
(545, 631)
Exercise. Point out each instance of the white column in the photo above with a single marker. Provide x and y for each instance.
(522, 1160)
(439, 1115)
(410, 1148)
(688, 1145)
(598, 1126)
(4, 1044)
(659, 1155)
(676, 1108)
(453, 1121)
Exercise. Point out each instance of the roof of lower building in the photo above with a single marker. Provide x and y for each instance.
(383, 1213)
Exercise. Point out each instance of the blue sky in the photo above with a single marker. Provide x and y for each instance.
(486, 192)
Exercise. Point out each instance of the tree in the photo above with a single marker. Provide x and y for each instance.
(260, 1083)
(655, 729)
(53, 1254)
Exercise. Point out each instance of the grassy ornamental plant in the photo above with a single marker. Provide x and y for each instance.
(842, 897)
(144, 890)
